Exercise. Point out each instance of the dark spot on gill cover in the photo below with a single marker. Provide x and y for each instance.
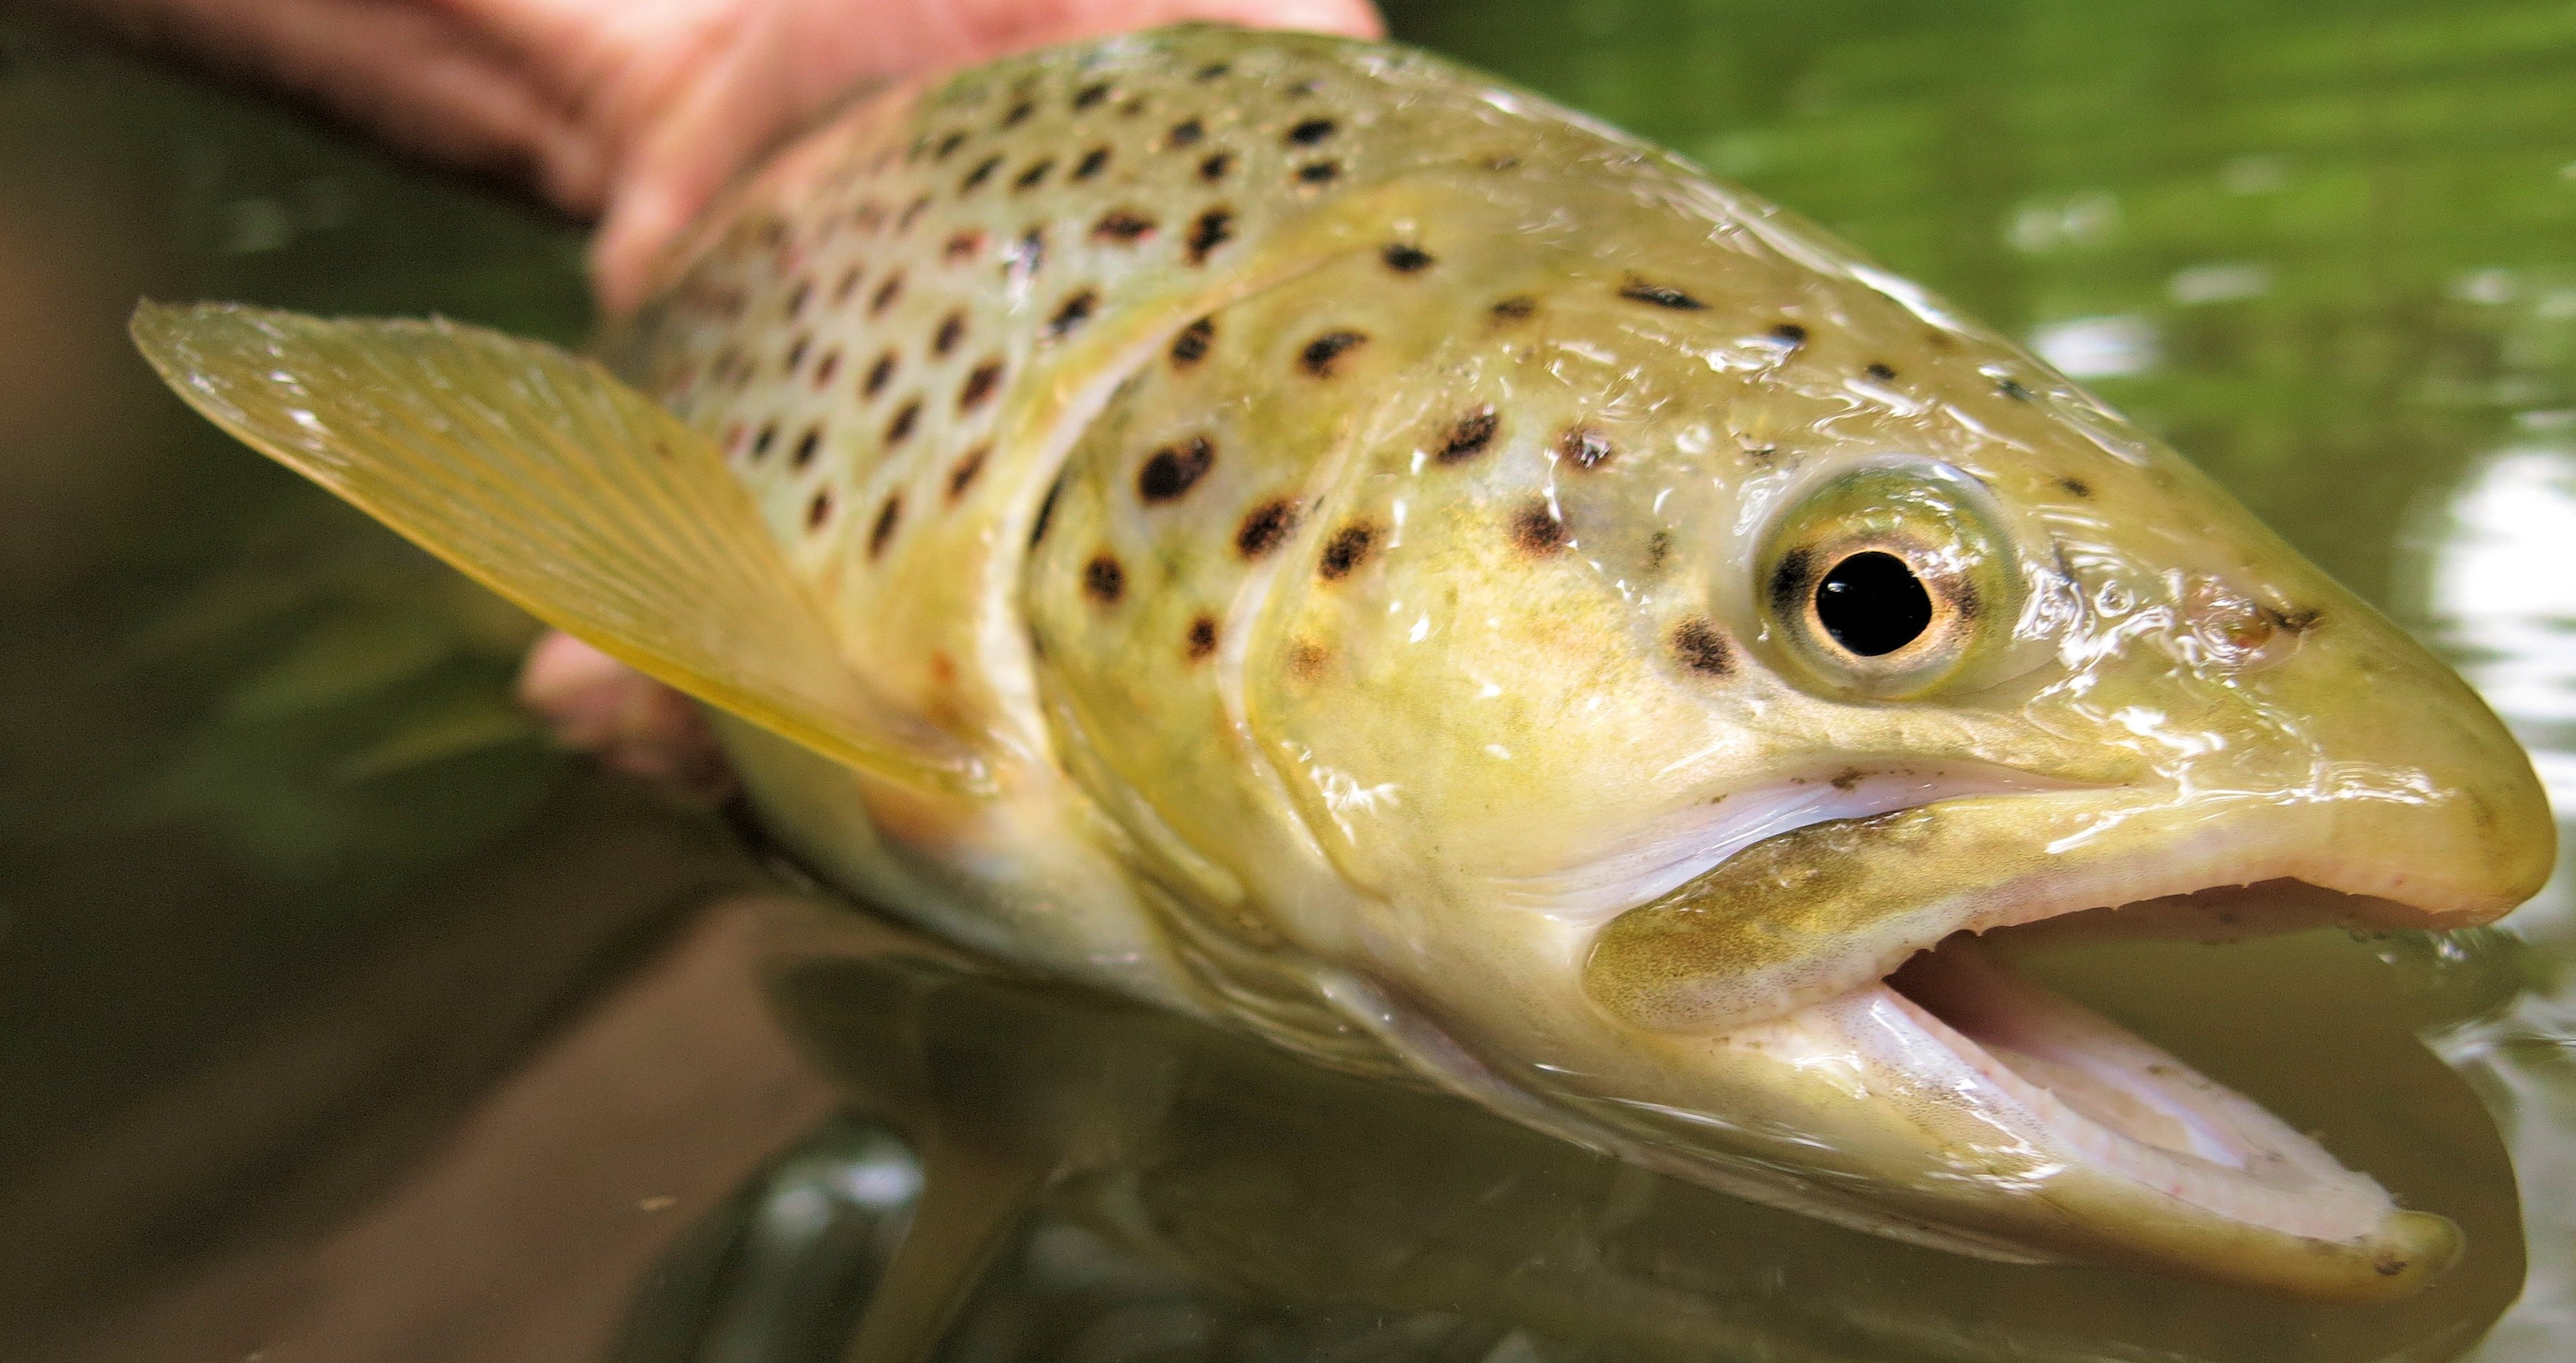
(1406, 258)
(1701, 648)
(1191, 346)
(1265, 526)
(1103, 579)
(1881, 372)
(1584, 447)
(1122, 226)
(1535, 528)
(1469, 437)
(961, 475)
(980, 385)
(1323, 352)
(2076, 487)
(1349, 547)
(1213, 229)
(1515, 308)
(1074, 312)
(888, 516)
(1661, 295)
(1175, 469)
(1202, 638)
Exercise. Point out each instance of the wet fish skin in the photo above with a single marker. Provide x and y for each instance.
(1345, 531)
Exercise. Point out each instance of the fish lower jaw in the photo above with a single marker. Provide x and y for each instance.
(2144, 1160)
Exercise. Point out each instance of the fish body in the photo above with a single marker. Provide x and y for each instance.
(1290, 529)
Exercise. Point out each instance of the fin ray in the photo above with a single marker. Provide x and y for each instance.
(538, 474)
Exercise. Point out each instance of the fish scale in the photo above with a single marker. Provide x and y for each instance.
(1289, 529)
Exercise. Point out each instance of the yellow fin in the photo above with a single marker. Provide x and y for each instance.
(545, 479)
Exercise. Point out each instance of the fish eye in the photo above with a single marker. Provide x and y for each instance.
(1890, 581)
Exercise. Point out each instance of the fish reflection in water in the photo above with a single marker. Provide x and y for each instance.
(1033, 1171)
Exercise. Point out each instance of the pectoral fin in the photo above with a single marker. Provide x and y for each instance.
(545, 479)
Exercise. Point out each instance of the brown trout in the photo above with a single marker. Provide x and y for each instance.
(1293, 530)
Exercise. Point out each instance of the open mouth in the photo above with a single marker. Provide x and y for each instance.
(2123, 1104)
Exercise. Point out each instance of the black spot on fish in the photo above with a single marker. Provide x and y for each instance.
(2295, 619)
(1583, 447)
(796, 354)
(912, 213)
(1320, 172)
(1091, 95)
(1535, 528)
(1701, 648)
(962, 246)
(1302, 89)
(1186, 134)
(1122, 226)
(888, 516)
(2012, 388)
(818, 510)
(1881, 373)
(1848, 779)
(1073, 313)
(825, 368)
(900, 429)
(1211, 231)
(952, 329)
(886, 293)
(1789, 334)
(962, 474)
(980, 385)
(1093, 162)
(1034, 176)
(1661, 295)
(797, 297)
(1405, 258)
(1349, 547)
(1191, 346)
(1046, 511)
(2077, 487)
(760, 443)
(1213, 70)
(1310, 132)
(1470, 436)
(1175, 469)
(1201, 640)
(1019, 114)
(948, 146)
(1214, 168)
(983, 171)
(1306, 659)
(1104, 580)
(1515, 308)
(880, 373)
(1659, 550)
(1325, 351)
(1265, 526)
(849, 284)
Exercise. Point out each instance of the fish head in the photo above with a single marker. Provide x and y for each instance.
(1672, 689)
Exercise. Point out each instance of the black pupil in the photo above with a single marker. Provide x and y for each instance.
(1873, 604)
